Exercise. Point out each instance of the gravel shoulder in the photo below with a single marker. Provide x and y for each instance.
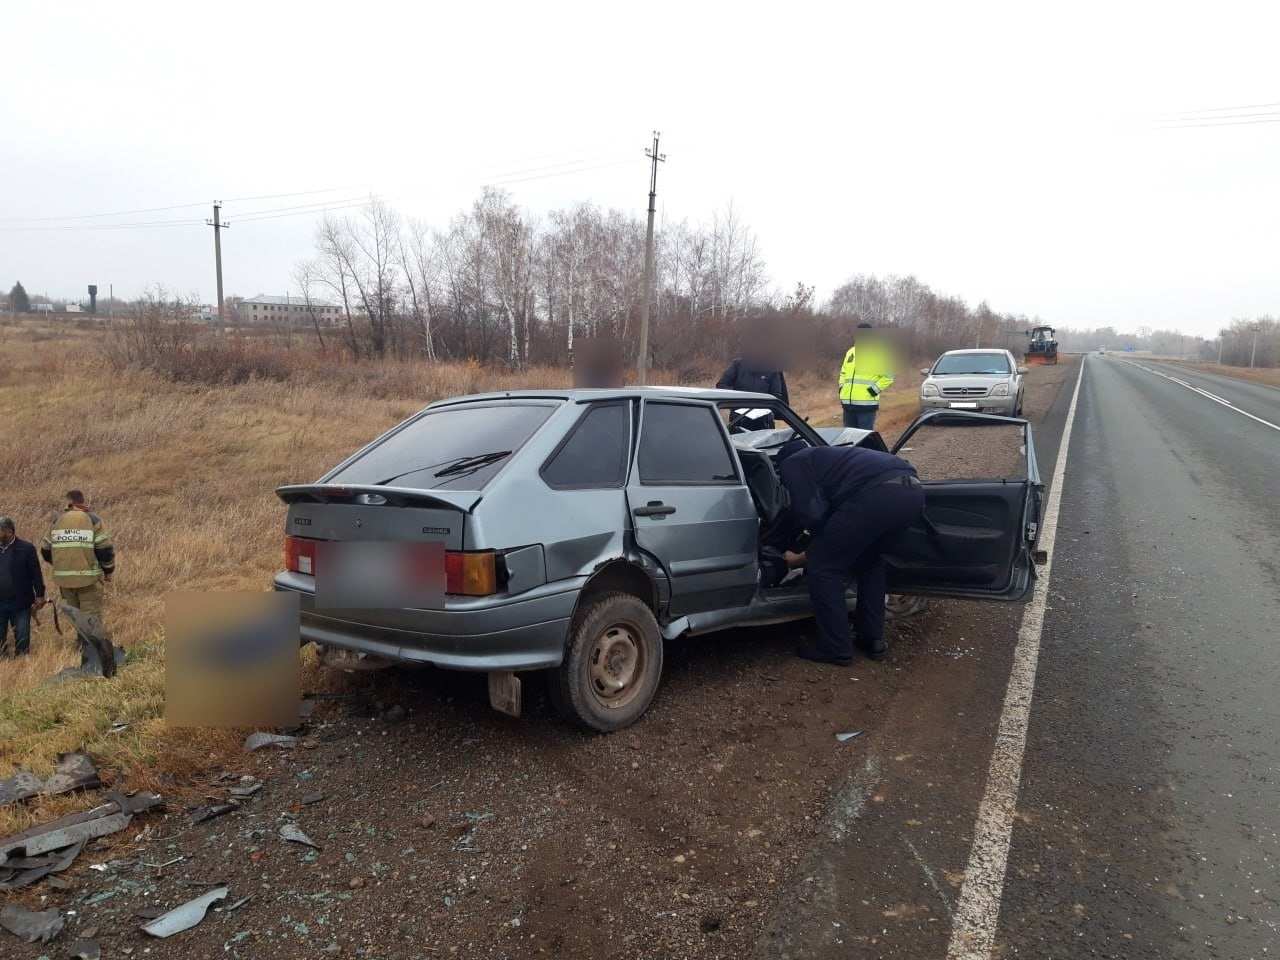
(447, 830)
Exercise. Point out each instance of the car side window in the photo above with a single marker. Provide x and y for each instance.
(594, 454)
(681, 443)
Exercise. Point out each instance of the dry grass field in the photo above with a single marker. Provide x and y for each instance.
(1270, 376)
(183, 476)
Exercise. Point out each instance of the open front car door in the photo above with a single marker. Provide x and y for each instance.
(977, 537)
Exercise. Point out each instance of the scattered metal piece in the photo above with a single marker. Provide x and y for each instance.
(30, 926)
(256, 741)
(30, 870)
(238, 904)
(293, 833)
(478, 817)
(87, 825)
(86, 950)
(842, 737)
(21, 786)
(118, 727)
(72, 771)
(211, 811)
(77, 833)
(246, 790)
(184, 917)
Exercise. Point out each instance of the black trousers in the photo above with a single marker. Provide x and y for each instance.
(851, 545)
(860, 417)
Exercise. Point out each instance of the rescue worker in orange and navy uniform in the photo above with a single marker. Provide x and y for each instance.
(79, 549)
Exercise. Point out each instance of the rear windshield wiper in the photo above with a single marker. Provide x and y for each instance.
(467, 462)
(472, 463)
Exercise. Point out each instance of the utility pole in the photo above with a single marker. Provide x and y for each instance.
(218, 227)
(642, 362)
(1254, 351)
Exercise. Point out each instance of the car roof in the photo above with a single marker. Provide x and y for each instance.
(976, 350)
(583, 395)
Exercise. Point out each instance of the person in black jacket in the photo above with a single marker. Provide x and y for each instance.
(853, 501)
(758, 370)
(21, 588)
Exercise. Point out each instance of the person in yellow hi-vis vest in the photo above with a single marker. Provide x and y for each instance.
(866, 373)
(82, 556)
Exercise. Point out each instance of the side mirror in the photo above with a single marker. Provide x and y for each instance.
(924, 371)
(1022, 371)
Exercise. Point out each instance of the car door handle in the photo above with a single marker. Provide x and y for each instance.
(654, 508)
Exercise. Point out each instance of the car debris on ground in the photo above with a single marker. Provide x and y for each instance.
(846, 737)
(72, 771)
(30, 926)
(50, 848)
(256, 741)
(186, 916)
(293, 833)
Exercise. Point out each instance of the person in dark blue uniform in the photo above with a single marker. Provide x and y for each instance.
(854, 502)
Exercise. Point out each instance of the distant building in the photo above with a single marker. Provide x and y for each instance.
(74, 308)
(288, 309)
(42, 308)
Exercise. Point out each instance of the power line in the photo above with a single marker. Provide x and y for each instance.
(249, 217)
(95, 216)
(1226, 122)
(1245, 106)
(250, 214)
(281, 216)
(278, 196)
(555, 166)
(561, 173)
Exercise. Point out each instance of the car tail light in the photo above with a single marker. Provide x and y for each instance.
(300, 555)
(471, 574)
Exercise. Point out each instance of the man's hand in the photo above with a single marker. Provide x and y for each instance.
(40, 603)
(795, 560)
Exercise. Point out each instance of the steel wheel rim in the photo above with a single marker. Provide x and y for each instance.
(616, 666)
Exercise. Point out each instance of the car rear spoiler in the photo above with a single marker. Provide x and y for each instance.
(464, 500)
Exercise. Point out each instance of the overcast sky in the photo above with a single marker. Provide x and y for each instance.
(1001, 151)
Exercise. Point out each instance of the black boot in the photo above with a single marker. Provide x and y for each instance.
(875, 650)
(811, 651)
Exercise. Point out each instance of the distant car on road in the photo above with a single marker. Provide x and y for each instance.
(987, 381)
(575, 531)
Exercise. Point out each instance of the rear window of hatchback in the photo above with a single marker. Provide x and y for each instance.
(454, 448)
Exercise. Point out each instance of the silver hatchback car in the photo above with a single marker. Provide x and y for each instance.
(575, 531)
(989, 381)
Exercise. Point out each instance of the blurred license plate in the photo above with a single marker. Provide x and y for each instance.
(379, 575)
(963, 406)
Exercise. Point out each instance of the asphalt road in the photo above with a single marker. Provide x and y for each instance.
(1149, 812)
(1147, 822)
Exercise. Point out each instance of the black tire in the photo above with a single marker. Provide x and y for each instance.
(614, 640)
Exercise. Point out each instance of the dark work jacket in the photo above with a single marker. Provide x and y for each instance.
(741, 375)
(820, 479)
(28, 581)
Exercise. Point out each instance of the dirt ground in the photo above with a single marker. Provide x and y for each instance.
(953, 452)
(447, 830)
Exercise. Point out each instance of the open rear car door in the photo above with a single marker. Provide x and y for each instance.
(977, 538)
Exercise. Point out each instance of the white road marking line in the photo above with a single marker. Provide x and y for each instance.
(978, 910)
(1214, 396)
(1205, 393)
